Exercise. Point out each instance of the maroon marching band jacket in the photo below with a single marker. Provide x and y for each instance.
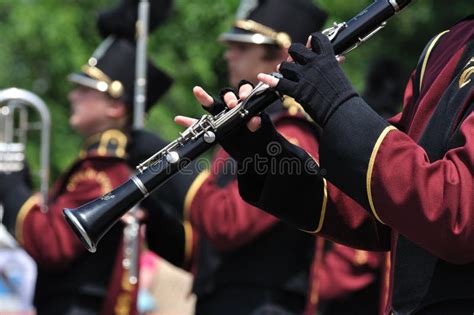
(228, 222)
(68, 275)
(410, 182)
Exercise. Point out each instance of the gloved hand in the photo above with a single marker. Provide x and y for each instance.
(141, 145)
(241, 142)
(315, 79)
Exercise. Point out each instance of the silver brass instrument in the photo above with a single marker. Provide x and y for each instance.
(14, 127)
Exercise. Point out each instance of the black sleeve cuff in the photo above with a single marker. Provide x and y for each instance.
(347, 146)
(286, 183)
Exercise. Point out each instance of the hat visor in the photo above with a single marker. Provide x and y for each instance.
(245, 37)
(84, 80)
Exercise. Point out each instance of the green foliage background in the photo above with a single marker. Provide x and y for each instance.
(41, 41)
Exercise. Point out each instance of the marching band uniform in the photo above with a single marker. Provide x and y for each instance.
(224, 233)
(71, 280)
(409, 185)
(262, 259)
(248, 262)
(350, 281)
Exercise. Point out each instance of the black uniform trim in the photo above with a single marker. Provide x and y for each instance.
(275, 184)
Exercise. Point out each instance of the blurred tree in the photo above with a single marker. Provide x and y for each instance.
(44, 40)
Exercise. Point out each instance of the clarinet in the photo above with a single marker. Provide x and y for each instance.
(92, 220)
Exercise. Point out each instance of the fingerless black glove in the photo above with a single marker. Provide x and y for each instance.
(315, 79)
(241, 143)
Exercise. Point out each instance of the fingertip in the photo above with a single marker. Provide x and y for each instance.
(232, 103)
(268, 79)
(263, 76)
(199, 90)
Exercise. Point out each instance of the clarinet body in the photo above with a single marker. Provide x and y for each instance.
(92, 220)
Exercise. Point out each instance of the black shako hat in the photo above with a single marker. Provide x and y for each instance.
(121, 20)
(275, 22)
(111, 69)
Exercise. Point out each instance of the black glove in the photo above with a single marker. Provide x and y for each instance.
(241, 142)
(142, 144)
(14, 191)
(315, 79)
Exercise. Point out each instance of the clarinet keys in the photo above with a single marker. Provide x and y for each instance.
(209, 137)
(172, 157)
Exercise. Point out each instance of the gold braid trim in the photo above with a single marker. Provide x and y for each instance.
(465, 77)
(90, 174)
(188, 241)
(96, 74)
(370, 169)
(188, 199)
(20, 218)
(427, 56)
(281, 38)
(324, 205)
(113, 88)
